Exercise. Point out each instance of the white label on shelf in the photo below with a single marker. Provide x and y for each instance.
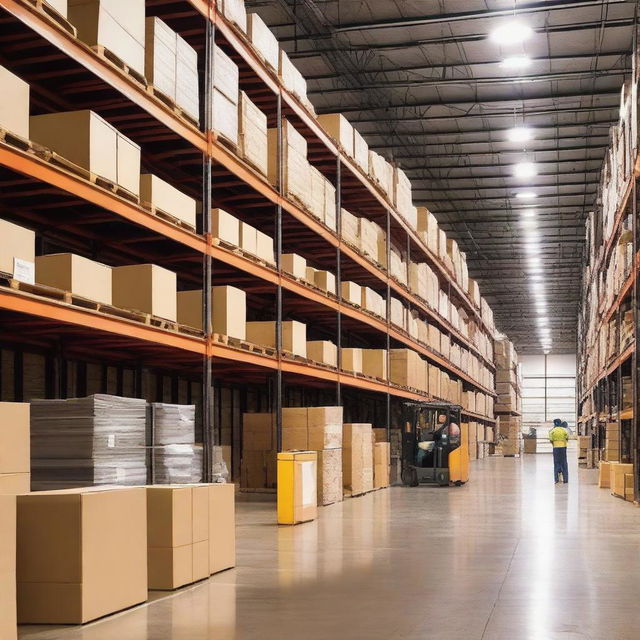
(309, 489)
(24, 271)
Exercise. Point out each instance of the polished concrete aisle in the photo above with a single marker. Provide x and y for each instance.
(509, 556)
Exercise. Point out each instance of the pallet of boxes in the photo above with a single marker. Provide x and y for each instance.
(508, 400)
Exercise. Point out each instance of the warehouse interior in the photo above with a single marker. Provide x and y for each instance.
(304, 304)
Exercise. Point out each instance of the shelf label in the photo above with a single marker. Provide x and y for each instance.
(24, 271)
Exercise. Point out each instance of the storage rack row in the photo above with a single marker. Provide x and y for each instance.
(74, 213)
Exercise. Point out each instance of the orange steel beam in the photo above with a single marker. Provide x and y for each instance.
(610, 369)
(80, 52)
(60, 312)
(31, 165)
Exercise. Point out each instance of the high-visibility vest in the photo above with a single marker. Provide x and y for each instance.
(558, 437)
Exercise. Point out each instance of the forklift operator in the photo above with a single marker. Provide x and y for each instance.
(427, 437)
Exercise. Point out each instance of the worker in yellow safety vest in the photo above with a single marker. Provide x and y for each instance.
(559, 436)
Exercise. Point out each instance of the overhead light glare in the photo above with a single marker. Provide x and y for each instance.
(519, 134)
(529, 223)
(525, 170)
(510, 33)
(526, 195)
(516, 62)
(529, 213)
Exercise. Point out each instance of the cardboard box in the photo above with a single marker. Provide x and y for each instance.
(291, 78)
(16, 243)
(294, 429)
(224, 116)
(294, 264)
(147, 288)
(225, 227)
(187, 83)
(160, 56)
(352, 360)
(604, 475)
(14, 104)
(329, 476)
(340, 129)
(628, 487)
(248, 238)
(360, 151)
(14, 484)
(258, 432)
(177, 526)
(228, 310)
(264, 248)
(263, 40)
(374, 363)
(234, 11)
(252, 134)
(15, 446)
(297, 487)
(253, 469)
(8, 619)
(119, 27)
(165, 197)
(617, 472)
(324, 426)
(92, 143)
(325, 280)
(357, 458)
(296, 174)
(222, 527)
(78, 275)
(381, 463)
(81, 554)
(294, 335)
(351, 292)
(323, 351)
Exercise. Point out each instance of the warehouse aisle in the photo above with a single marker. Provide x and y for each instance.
(508, 556)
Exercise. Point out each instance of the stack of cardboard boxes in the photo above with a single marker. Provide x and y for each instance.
(612, 442)
(509, 435)
(294, 335)
(228, 310)
(263, 41)
(15, 449)
(508, 401)
(230, 230)
(225, 96)
(258, 468)
(357, 459)
(252, 133)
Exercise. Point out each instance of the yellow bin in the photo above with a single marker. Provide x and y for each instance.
(297, 487)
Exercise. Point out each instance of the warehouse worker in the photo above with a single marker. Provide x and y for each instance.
(558, 436)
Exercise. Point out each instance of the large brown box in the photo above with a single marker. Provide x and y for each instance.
(253, 469)
(15, 243)
(258, 432)
(8, 619)
(81, 554)
(329, 476)
(374, 363)
(167, 198)
(225, 227)
(381, 463)
(294, 335)
(222, 527)
(118, 26)
(92, 143)
(294, 429)
(616, 482)
(352, 360)
(146, 287)
(294, 264)
(160, 56)
(80, 276)
(228, 313)
(14, 484)
(325, 427)
(252, 134)
(177, 535)
(357, 458)
(340, 129)
(351, 292)
(323, 351)
(15, 444)
(604, 475)
(14, 103)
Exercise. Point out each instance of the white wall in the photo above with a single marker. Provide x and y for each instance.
(548, 390)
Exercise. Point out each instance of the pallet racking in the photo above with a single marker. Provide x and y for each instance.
(72, 212)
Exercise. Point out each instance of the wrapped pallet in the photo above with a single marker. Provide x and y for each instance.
(263, 40)
(357, 459)
(295, 167)
(252, 134)
(329, 476)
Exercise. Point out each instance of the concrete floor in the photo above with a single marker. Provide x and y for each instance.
(509, 556)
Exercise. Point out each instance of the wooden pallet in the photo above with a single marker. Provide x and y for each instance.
(51, 15)
(243, 345)
(168, 217)
(14, 140)
(171, 104)
(116, 61)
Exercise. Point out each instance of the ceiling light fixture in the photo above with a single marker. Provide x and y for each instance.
(528, 213)
(519, 134)
(526, 195)
(516, 62)
(528, 223)
(525, 170)
(510, 33)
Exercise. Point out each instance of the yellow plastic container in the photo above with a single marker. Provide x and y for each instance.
(297, 487)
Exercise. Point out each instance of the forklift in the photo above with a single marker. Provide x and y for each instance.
(435, 444)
